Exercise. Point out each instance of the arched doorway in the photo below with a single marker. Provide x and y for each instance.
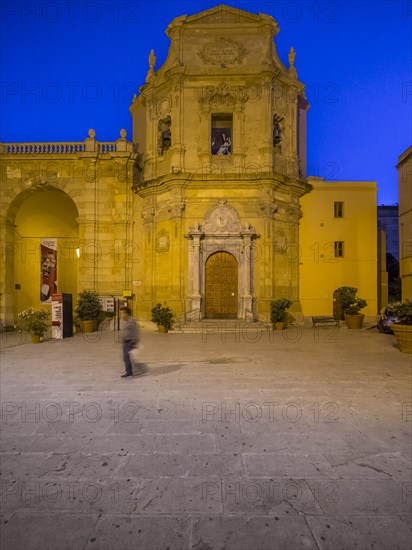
(221, 286)
(34, 218)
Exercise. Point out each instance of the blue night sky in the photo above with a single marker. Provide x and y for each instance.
(71, 65)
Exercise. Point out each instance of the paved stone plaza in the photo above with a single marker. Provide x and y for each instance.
(243, 441)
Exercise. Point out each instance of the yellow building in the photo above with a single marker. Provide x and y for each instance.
(404, 167)
(338, 240)
(202, 208)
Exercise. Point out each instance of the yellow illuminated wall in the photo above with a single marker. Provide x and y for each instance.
(45, 214)
(405, 222)
(321, 272)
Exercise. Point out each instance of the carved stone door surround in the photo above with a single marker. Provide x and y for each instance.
(221, 231)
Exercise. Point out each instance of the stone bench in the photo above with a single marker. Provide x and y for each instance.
(325, 320)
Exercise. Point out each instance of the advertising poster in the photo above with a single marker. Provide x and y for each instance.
(57, 316)
(48, 270)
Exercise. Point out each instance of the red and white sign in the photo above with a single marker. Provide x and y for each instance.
(48, 270)
(57, 316)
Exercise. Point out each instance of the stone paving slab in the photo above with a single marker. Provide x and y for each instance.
(263, 496)
(247, 443)
(384, 465)
(288, 465)
(180, 443)
(299, 444)
(19, 465)
(48, 494)
(247, 533)
(159, 465)
(115, 443)
(363, 497)
(83, 465)
(132, 532)
(31, 531)
(359, 533)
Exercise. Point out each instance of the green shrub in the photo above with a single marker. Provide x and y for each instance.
(403, 311)
(278, 309)
(88, 305)
(162, 315)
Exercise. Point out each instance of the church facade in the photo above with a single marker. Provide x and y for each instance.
(221, 126)
(200, 209)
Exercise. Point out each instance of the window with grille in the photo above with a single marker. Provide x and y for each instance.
(338, 249)
(338, 209)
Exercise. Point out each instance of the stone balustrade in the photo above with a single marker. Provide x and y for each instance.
(42, 148)
(89, 145)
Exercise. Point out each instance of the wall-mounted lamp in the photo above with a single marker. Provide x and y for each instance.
(78, 252)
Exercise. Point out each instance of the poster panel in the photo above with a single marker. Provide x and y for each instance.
(48, 270)
(57, 316)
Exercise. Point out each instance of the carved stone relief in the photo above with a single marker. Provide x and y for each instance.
(222, 95)
(223, 51)
(223, 218)
(163, 241)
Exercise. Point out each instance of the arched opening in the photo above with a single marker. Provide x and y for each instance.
(45, 217)
(221, 286)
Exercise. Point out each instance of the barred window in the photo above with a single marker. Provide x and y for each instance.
(338, 249)
(338, 209)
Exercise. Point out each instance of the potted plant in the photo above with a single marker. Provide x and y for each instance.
(345, 296)
(36, 322)
(403, 328)
(163, 317)
(278, 312)
(353, 316)
(87, 309)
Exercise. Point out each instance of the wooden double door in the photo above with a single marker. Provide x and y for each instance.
(221, 286)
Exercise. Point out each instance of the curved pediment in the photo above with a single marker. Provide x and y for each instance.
(221, 15)
(222, 218)
(221, 36)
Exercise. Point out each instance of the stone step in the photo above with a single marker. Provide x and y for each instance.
(211, 326)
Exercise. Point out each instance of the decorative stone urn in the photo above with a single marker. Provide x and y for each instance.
(354, 321)
(403, 334)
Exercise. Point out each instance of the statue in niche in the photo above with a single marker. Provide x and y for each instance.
(165, 134)
(277, 130)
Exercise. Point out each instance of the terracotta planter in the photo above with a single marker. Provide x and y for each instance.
(354, 321)
(403, 334)
(87, 325)
(162, 328)
(279, 326)
(35, 338)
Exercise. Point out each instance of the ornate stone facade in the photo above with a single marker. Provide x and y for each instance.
(221, 80)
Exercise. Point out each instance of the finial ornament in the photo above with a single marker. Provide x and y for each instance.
(152, 59)
(291, 56)
(152, 62)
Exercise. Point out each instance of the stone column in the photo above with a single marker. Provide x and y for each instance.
(194, 296)
(246, 307)
(8, 251)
